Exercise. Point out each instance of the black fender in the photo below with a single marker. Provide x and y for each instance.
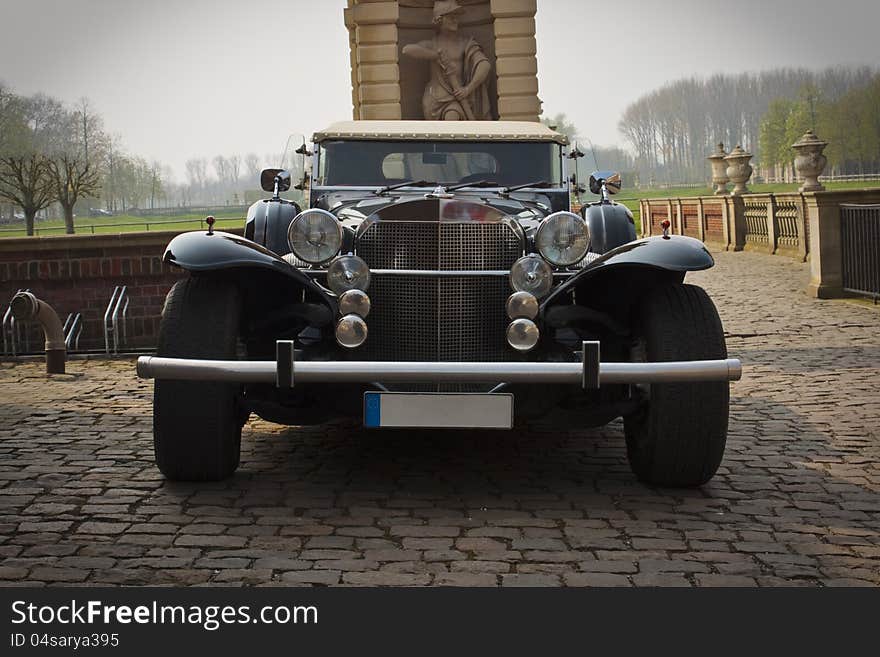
(202, 252)
(611, 225)
(268, 221)
(618, 278)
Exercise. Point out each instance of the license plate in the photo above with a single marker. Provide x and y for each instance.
(437, 410)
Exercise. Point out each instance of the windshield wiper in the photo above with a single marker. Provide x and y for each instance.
(475, 183)
(408, 183)
(540, 184)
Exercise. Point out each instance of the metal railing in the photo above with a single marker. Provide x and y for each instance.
(116, 320)
(860, 249)
(111, 227)
(73, 328)
(14, 338)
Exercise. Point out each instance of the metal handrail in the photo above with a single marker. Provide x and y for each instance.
(115, 319)
(73, 328)
(10, 347)
(107, 314)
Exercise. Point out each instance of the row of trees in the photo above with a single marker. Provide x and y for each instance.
(54, 156)
(48, 154)
(851, 124)
(672, 129)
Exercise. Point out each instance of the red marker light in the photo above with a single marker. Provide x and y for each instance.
(210, 221)
(665, 224)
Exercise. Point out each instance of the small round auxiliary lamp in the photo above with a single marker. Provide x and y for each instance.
(210, 221)
(665, 224)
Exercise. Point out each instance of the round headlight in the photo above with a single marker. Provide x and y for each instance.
(315, 236)
(348, 273)
(531, 274)
(523, 335)
(354, 302)
(351, 331)
(563, 239)
(522, 305)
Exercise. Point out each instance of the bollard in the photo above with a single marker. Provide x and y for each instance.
(25, 306)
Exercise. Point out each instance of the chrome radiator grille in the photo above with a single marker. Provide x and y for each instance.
(426, 317)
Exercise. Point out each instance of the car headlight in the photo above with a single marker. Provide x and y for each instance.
(563, 239)
(348, 273)
(533, 275)
(315, 236)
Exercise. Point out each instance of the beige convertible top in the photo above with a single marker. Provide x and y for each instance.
(441, 131)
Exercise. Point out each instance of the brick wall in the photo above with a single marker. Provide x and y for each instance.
(78, 273)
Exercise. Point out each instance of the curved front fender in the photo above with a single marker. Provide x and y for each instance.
(676, 254)
(201, 251)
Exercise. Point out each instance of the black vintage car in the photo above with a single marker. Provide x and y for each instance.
(438, 278)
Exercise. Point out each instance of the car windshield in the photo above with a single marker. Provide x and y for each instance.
(382, 163)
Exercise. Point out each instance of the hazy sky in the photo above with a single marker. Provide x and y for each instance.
(183, 78)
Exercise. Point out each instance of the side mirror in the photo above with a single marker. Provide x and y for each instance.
(607, 180)
(275, 180)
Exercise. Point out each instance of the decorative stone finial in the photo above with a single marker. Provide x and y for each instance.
(810, 162)
(739, 170)
(719, 170)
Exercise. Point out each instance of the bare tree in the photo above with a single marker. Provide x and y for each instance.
(252, 168)
(75, 165)
(24, 169)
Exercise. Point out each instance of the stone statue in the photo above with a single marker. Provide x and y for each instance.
(457, 89)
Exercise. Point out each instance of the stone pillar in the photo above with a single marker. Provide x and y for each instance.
(516, 62)
(826, 262)
(379, 29)
(372, 28)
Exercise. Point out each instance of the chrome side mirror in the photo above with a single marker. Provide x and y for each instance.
(610, 180)
(605, 183)
(275, 181)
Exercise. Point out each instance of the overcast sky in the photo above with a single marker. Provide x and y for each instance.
(177, 79)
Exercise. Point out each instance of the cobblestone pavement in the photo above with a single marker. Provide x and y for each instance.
(796, 502)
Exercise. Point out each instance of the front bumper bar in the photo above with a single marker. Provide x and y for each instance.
(286, 371)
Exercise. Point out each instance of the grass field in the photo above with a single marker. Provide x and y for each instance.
(126, 223)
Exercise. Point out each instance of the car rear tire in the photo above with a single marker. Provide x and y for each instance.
(197, 424)
(678, 437)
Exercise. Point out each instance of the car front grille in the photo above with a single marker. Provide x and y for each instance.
(430, 317)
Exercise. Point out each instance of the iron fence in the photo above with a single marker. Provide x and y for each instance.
(860, 249)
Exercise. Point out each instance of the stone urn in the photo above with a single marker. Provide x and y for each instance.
(719, 170)
(810, 162)
(739, 170)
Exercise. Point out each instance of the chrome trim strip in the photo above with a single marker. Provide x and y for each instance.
(150, 367)
(438, 272)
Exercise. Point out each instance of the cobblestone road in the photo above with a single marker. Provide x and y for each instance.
(796, 502)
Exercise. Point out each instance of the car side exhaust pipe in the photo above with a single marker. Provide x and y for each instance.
(26, 307)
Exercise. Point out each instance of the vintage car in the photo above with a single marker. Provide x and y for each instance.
(439, 279)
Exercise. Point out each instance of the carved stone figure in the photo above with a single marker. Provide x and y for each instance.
(457, 89)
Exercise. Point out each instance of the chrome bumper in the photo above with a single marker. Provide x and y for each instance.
(286, 371)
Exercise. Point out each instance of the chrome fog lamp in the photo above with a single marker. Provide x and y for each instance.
(351, 331)
(533, 275)
(523, 335)
(354, 302)
(315, 236)
(348, 273)
(522, 305)
(563, 239)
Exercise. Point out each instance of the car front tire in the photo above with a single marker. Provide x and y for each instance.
(197, 424)
(678, 437)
